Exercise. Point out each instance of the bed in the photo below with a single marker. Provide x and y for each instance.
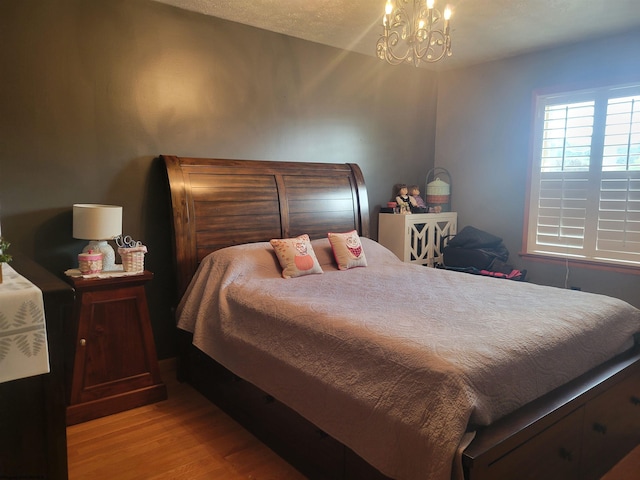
(389, 369)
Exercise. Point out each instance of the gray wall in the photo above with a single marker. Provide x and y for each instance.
(91, 91)
(483, 140)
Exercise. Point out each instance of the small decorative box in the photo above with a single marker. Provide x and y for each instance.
(90, 262)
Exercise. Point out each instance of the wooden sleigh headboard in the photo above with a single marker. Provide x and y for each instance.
(217, 203)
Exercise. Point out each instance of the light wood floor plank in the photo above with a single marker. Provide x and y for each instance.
(184, 437)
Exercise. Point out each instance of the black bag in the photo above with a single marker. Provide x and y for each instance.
(472, 237)
(475, 248)
(480, 258)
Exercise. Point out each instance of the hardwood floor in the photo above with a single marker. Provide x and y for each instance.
(183, 437)
(627, 469)
(187, 437)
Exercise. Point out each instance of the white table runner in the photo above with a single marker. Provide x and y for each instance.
(23, 336)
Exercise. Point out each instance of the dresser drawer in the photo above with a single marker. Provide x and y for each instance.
(611, 427)
(552, 454)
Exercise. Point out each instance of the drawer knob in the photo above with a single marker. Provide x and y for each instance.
(83, 342)
(565, 454)
(598, 427)
(635, 400)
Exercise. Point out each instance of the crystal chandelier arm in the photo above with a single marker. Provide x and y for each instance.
(433, 48)
(385, 49)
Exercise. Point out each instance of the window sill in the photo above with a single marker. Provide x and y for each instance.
(581, 263)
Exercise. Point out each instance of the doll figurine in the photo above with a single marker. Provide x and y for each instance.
(404, 200)
(414, 192)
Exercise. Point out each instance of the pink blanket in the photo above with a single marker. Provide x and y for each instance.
(397, 361)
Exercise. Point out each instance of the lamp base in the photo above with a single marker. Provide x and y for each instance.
(108, 253)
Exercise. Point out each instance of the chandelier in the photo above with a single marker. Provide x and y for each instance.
(414, 32)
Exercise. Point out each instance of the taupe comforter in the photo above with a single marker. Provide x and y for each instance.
(397, 361)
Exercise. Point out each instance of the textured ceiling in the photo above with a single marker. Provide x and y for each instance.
(481, 30)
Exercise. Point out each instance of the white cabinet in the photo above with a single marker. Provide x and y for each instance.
(418, 237)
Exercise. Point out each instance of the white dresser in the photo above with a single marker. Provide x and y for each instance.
(418, 237)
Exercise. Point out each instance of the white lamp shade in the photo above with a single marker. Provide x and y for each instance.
(96, 222)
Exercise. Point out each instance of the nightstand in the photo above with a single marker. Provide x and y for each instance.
(418, 237)
(115, 366)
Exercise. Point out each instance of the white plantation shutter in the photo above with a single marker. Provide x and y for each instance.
(560, 189)
(585, 179)
(618, 233)
(562, 210)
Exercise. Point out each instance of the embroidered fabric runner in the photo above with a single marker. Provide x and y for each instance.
(23, 336)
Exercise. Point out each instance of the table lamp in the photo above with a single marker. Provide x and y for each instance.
(98, 223)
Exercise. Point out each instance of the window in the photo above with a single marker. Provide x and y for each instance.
(585, 178)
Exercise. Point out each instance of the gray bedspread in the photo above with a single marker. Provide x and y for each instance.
(397, 361)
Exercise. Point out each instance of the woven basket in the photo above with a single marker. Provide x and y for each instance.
(133, 258)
